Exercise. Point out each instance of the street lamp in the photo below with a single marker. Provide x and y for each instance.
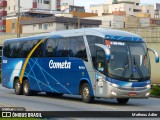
(18, 22)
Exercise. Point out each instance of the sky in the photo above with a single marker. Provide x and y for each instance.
(88, 2)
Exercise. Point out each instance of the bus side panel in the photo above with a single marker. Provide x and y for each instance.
(59, 75)
(10, 69)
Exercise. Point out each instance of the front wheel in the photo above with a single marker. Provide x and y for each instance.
(86, 94)
(122, 100)
(18, 87)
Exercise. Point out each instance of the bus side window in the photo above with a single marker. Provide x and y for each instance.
(91, 42)
(38, 50)
(6, 50)
(11, 50)
(78, 48)
(63, 49)
(24, 49)
(51, 46)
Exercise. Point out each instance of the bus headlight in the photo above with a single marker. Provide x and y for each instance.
(114, 85)
(148, 86)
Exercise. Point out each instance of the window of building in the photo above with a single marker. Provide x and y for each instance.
(67, 27)
(9, 8)
(45, 26)
(13, 25)
(147, 11)
(40, 26)
(130, 9)
(46, 2)
(34, 26)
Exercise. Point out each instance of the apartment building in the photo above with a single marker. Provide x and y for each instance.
(3, 13)
(51, 24)
(131, 7)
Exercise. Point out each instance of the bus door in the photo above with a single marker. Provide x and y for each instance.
(101, 67)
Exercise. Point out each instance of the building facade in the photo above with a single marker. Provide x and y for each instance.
(3, 14)
(131, 7)
(51, 24)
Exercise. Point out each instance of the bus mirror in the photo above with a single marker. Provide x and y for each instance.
(106, 49)
(156, 53)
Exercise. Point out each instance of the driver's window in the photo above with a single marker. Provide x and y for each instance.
(100, 61)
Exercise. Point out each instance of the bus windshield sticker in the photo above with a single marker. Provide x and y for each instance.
(108, 43)
(117, 43)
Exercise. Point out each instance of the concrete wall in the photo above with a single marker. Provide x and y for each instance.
(155, 67)
(110, 21)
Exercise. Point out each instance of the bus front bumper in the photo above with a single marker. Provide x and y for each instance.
(129, 92)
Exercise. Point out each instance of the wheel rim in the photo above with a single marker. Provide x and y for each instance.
(85, 93)
(17, 87)
(26, 88)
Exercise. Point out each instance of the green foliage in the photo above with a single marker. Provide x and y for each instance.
(155, 90)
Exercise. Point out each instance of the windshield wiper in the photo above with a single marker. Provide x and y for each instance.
(115, 76)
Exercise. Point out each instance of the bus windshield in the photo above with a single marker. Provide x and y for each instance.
(129, 61)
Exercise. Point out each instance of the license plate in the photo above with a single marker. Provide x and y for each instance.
(131, 94)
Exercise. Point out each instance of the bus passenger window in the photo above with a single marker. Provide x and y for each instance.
(38, 51)
(51, 46)
(63, 49)
(78, 47)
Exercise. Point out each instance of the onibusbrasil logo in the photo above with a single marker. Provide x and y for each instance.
(59, 65)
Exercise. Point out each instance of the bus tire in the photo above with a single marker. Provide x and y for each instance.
(122, 100)
(18, 87)
(54, 94)
(86, 93)
(26, 90)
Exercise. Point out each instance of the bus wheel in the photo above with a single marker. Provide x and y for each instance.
(122, 100)
(85, 92)
(54, 94)
(18, 87)
(26, 90)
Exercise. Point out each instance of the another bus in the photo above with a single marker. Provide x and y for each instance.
(91, 62)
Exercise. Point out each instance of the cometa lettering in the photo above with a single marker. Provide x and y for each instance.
(59, 65)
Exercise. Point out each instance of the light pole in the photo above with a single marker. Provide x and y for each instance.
(18, 22)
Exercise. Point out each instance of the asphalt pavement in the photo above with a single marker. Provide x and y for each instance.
(41, 102)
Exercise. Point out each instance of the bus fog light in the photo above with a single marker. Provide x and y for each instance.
(115, 85)
(113, 93)
(147, 94)
(148, 86)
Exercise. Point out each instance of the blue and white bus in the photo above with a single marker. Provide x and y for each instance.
(91, 62)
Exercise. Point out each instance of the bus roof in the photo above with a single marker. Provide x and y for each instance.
(105, 33)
